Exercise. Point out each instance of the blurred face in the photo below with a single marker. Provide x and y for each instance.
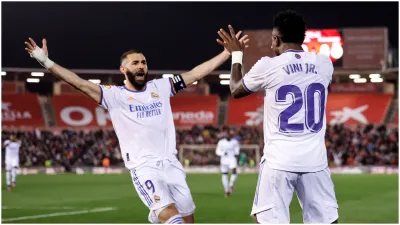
(134, 67)
(12, 138)
(276, 42)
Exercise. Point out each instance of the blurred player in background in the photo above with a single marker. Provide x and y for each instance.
(142, 118)
(12, 147)
(296, 89)
(228, 150)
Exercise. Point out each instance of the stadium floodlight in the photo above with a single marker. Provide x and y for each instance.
(224, 76)
(376, 80)
(3, 73)
(354, 76)
(224, 82)
(374, 76)
(360, 80)
(37, 74)
(195, 82)
(33, 80)
(167, 75)
(96, 81)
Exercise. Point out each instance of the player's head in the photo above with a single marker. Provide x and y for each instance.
(13, 138)
(134, 67)
(288, 28)
(230, 134)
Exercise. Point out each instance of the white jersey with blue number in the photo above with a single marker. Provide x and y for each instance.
(296, 90)
(143, 121)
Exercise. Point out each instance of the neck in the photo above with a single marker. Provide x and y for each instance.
(130, 86)
(290, 46)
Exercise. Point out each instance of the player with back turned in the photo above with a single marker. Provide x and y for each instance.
(296, 89)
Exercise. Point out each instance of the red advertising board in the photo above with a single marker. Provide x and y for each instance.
(357, 108)
(21, 110)
(191, 110)
(81, 111)
(341, 108)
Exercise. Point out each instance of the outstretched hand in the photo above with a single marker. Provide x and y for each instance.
(232, 42)
(31, 47)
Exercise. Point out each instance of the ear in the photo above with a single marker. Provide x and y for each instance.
(122, 69)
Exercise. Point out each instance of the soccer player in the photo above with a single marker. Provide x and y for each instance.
(228, 150)
(12, 147)
(142, 118)
(295, 84)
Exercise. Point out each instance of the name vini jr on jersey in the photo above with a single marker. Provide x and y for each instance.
(144, 111)
(297, 67)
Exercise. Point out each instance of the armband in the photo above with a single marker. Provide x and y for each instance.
(178, 83)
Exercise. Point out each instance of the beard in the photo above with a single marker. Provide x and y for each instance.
(138, 79)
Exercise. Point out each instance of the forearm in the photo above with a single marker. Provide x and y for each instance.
(205, 68)
(66, 75)
(236, 77)
(86, 87)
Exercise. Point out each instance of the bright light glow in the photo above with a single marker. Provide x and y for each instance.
(354, 76)
(224, 76)
(325, 50)
(305, 48)
(336, 51)
(374, 76)
(96, 81)
(224, 82)
(37, 74)
(33, 80)
(3, 73)
(376, 80)
(167, 75)
(195, 82)
(124, 81)
(360, 80)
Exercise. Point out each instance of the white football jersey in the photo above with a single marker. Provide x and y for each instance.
(12, 149)
(227, 149)
(296, 90)
(142, 121)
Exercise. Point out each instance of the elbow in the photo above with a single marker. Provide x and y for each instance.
(235, 94)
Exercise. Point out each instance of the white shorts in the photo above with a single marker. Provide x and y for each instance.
(11, 163)
(161, 183)
(228, 164)
(274, 192)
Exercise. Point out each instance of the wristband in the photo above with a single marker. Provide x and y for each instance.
(48, 63)
(237, 57)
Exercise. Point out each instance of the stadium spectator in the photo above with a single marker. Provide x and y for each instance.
(362, 145)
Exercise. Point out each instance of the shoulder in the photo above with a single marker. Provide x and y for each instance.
(111, 87)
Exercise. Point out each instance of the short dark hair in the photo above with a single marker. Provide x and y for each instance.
(291, 26)
(125, 55)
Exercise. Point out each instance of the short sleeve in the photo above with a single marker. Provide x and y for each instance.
(6, 142)
(328, 66)
(165, 86)
(256, 78)
(108, 97)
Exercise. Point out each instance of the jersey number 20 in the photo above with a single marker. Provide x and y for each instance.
(297, 95)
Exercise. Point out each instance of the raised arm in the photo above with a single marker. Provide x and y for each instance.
(41, 55)
(207, 67)
(233, 45)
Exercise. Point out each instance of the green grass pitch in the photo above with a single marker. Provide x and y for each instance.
(69, 198)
